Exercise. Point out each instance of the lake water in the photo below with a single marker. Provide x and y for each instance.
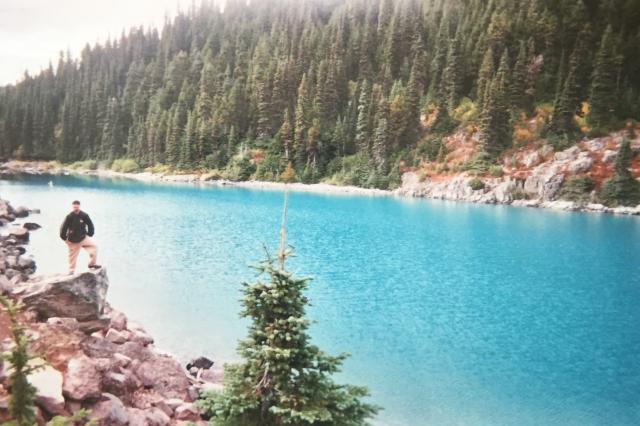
(455, 314)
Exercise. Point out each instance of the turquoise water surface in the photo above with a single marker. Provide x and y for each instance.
(455, 314)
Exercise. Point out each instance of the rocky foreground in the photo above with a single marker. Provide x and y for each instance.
(93, 357)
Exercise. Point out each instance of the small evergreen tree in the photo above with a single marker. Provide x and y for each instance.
(284, 379)
(622, 189)
(603, 97)
(22, 393)
(495, 120)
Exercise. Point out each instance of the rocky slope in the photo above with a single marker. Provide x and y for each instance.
(93, 356)
(532, 176)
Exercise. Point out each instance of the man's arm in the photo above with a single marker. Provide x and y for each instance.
(90, 228)
(64, 228)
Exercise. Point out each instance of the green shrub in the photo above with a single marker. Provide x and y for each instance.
(496, 171)
(577, 189)
(620, 191)
(476, 184)
(125, 165)
(240, 169)
(84, 165)
(430, 148)
(478, 164)
(519, 194)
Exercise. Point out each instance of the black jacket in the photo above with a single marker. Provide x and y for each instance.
(76, 226)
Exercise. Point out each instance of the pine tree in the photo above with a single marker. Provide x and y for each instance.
(381, 139)
(622, 189)
(603, 96)
(495, 125)
(286, 137)
(283, 378)
(302, 118)
(362, 126)
(485, 76)
(23, 394)
(453, 75)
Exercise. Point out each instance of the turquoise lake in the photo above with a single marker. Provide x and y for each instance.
(455, 314)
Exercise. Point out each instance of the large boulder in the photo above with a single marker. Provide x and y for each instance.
(165, 375)
(80, 296)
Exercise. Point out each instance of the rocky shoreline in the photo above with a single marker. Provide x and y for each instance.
(533, 180)
(93, 357)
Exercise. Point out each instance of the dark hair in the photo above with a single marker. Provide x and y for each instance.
(76, 202)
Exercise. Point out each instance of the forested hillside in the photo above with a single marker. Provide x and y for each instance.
(349, 89)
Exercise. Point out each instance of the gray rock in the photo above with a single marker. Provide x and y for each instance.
(26, 263)
(80, 296)
(21, 211)
(110, 411)
(568, 154)
(31, 226)
(19, 233)
(531, 159)
(544, 182)
(82, 379)
(580, 165)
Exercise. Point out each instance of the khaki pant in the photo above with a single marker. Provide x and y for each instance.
(74, 250)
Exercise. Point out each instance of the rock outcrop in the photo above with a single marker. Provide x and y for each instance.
(93, 356)
(532, 178)
(81, 296)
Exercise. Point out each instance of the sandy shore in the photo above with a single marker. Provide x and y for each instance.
(38, 167)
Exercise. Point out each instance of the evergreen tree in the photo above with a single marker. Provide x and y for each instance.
(283, 378)
(603, 96)
(364, 111)
(622, 189)
(495, 120)
(23, 394)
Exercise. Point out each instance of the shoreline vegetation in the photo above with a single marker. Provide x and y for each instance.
(455, 188)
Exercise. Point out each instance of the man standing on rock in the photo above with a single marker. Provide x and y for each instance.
(77, 230)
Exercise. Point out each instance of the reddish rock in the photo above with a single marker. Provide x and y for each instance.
(157, 417)
(82, 379)
(110, 411)
(115, 336)
(187, 411)
(118, 320)
(165, 375)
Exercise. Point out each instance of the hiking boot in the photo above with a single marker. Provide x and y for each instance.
(95, 266)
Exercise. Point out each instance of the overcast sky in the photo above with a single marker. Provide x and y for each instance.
(33, 32)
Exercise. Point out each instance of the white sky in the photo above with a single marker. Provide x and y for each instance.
(33, 32)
